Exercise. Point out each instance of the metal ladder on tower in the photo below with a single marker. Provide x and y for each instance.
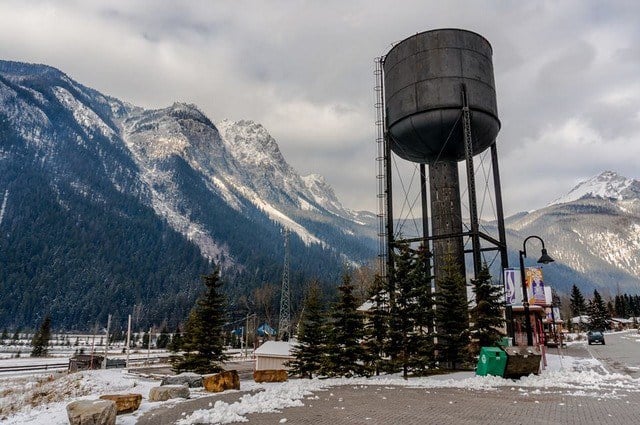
(381, 164)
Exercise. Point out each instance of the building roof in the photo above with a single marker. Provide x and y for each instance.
(275, 349)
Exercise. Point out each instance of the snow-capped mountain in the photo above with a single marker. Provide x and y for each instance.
(607, 185)
(593, 233)
(90, 178)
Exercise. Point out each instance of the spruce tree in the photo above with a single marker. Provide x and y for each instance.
(578, 303)
(310, 348)
(145, 340)
(203, 341)
(40, 341)
(377, 318)
(346, 357)
(422, 313)
(163, 338)
(4, 337)
(486, 315)
(598, 313)
(402, 321)
(176, 340)
(452, 316)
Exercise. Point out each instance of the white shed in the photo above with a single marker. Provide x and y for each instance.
(272, 355)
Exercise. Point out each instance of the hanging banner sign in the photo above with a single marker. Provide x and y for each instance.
(512, 287)
(535, 285)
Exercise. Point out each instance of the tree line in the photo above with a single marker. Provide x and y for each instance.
(600, 312)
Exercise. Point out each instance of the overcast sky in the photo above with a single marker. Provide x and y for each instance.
(567, 75)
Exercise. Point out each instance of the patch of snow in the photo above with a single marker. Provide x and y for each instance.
(4, 204)
(276, 215)
(83, 115)
(39, 400)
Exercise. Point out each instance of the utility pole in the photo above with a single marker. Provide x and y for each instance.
(128, 341)
(149, 348)
(106, 345)
(285, 312)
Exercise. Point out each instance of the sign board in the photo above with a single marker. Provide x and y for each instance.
(512, 287)
(535, 285)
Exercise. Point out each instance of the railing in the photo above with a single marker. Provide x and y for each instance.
(34, 367)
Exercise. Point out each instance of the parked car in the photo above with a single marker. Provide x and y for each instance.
(595, 337)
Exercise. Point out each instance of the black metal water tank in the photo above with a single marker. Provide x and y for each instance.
(423, 76)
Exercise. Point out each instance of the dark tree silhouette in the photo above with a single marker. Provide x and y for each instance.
(203, 341)
(40, 341)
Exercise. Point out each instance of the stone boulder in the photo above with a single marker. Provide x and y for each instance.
(125, 403)
(92, 412)
(190, 379)
(216, 383)
(167, 392)
(272, 375)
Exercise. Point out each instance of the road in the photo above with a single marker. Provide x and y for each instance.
(620, 354)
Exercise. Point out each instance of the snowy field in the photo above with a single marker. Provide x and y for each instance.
(42, 399)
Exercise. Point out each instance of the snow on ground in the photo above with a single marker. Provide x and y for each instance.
(42, 400)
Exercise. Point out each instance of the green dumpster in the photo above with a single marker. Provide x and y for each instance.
(492, 361)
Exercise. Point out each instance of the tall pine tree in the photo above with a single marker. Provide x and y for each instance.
(376, 323)
(452, 316)
(309, 351)
(40, 341)
(486, 315)
(402, 309)
(203, 341)
(423, 315)
(346, 357)
(599, 316)
(578, 303)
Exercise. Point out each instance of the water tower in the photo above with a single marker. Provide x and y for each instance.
(437, 107)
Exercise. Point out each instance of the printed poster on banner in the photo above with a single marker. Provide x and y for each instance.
(512, 287)
(535, 285)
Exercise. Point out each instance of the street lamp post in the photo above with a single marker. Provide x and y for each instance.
(544, 259)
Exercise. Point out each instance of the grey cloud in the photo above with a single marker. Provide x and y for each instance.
(255, 59)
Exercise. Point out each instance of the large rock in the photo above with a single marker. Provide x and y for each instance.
(228, 380)
(92, 412)
(272, 375)
(192, 380)
(125, 403)
(167, 392)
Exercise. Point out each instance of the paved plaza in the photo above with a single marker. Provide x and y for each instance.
(400, 405)
(389, 404)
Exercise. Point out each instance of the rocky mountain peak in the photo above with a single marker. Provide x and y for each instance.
(250, 142)
(188, 111)
(606, 185)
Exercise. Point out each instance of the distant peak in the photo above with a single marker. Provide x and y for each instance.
(28, 69)
(606, 185)
(188, 111)
(248, 132)
(315, 177)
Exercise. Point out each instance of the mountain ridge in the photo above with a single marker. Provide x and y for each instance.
(166, 174)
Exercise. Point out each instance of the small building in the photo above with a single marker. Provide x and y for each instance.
(620, 323)
(85, 362)
(273, 355)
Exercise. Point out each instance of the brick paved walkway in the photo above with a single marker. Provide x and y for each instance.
(407, 406)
